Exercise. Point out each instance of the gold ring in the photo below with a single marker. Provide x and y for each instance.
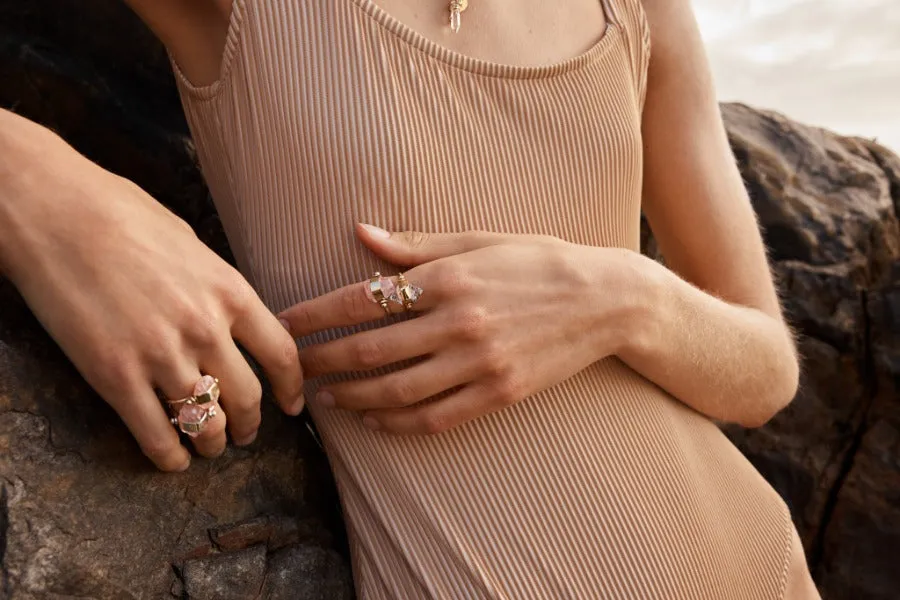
(407, 294)
(193, 413)
(379, 289)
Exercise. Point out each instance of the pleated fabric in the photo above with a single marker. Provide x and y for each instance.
(331, 112)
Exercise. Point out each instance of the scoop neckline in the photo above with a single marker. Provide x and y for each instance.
(480, 66)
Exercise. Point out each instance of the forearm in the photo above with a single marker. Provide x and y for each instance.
(36, 170)
(22, 143)
(732, 363)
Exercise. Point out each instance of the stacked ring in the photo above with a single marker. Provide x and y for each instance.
(407, 294)
(379, 289)
(193, 413)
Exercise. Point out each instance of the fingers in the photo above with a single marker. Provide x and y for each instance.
(411, 248)
(178, 383)
(373, 349)
(353, 304)
(400, 388)
(470, 402)
(276, 351)
(148, 422)
(240, 391)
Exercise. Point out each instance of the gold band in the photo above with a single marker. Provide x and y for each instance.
(376, 289)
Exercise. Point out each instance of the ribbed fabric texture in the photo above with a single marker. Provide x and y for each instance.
(330, 112)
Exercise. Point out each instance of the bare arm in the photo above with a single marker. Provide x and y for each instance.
(193, 31)
(102, 266)
(715, 336)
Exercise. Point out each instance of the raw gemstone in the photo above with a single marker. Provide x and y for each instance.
(191, 418)
(385, 284)
(206, 390)
(412, 293)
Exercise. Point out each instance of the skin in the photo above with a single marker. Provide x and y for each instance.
(708, 329)
(101, 265)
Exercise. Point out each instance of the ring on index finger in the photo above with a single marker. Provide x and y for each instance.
(378, 289)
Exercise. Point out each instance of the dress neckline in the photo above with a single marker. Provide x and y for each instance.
(484, 67)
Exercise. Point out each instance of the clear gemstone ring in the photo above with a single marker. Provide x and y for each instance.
(406, 294)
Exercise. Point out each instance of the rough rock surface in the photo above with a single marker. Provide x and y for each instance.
(82, 514)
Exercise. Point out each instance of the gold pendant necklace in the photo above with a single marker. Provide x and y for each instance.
(456, 9)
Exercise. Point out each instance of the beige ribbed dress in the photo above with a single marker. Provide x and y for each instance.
(330, 112)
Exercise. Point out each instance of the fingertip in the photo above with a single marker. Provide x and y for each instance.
(285, 323)
(295, 407)
(373, 231)
(247, 439)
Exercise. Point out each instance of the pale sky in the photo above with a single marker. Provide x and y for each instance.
(833, 63)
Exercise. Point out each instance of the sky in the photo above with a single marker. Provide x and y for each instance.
(833, 63)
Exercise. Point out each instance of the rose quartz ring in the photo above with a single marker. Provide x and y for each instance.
(381, 290)
(193, 414)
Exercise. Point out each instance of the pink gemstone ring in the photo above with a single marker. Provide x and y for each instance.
(379, 289)
(193, 414)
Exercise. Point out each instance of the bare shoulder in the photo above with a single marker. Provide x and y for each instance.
(194, 32)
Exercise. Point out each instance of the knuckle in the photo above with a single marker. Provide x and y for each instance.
(433, 423)
(415, 239)
(353, 304)
(301, 319)
(506, 392)
(117, 373)
(398, 392)
(471, 322)
(236, 294)
(368, 354)
(288, 356)
(493, 359)
(452, 278)
(158, 448)
(198, 328)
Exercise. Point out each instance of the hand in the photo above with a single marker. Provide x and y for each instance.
(501, 318)
(137, 302)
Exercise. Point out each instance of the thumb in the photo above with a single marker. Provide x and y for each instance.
(410, 248)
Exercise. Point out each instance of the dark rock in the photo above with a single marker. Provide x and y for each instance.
(233, 576)
(82, 513)
(307, 573)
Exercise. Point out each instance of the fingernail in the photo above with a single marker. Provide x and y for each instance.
(285, 324)
(371, 423)
(185, 466)
(246, 440)
(297, 407)
(325, 398)
(376, 231)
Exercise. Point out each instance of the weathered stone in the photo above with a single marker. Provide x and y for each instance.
(233, 576)
(307, 572)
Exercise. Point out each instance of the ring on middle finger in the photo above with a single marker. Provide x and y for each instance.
(405, 293)
(193, 413)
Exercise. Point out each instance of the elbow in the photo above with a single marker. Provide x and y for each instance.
(779, 392)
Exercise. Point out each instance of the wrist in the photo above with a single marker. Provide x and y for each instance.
(633, 291)
(28, 152)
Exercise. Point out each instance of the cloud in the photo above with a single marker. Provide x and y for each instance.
(834, 63)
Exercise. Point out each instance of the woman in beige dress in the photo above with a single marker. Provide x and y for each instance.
(529, 410)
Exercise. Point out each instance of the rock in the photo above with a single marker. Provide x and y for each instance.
(234, 576)
(82, 513)
(828, 206)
